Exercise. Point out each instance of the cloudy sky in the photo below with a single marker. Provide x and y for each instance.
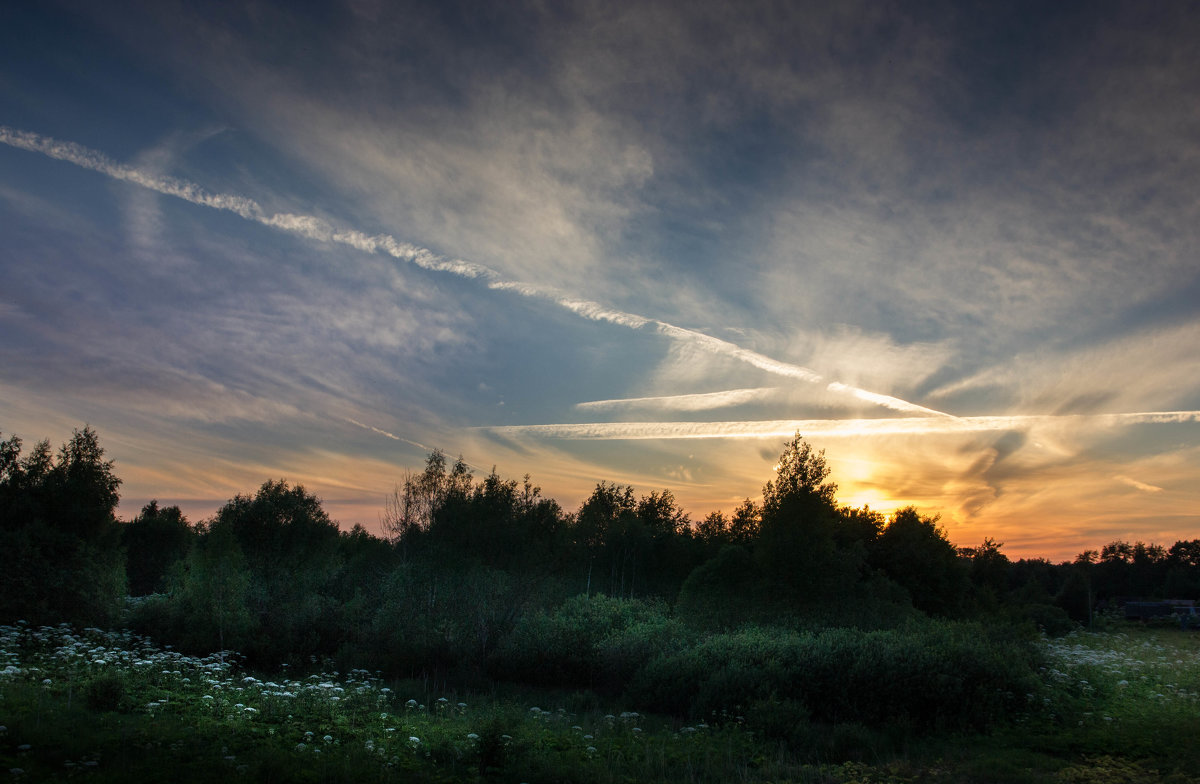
(953, 244)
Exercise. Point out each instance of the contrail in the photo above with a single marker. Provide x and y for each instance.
(315, 228)
(417, 444)
(702, 401)
(386, 434)
(829, 428)
(308, 226)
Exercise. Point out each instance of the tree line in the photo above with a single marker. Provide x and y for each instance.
(471, 572)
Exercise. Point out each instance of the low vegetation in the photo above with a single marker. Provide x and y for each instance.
(794, 640)
(1119, 705)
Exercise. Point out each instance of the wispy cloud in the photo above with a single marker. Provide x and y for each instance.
(1148, 368)
(1136, 485)
(315, 228)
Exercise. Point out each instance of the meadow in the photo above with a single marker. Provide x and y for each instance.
(1121, 704)
(493, 636)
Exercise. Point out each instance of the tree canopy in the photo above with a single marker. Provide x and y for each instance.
(468, 562)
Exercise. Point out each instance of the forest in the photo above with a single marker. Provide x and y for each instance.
(792, 617)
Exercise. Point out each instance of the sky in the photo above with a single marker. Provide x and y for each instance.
(952, 244)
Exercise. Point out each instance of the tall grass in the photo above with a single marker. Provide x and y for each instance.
(753, 706)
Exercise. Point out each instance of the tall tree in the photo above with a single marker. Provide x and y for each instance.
(745, 523)
(59, 533)
(800, 478)
(211, 592)
(291, 549)
(82, 489)
(154, 540)
(989, 573)
(797, 546)
(603, 528)
(410, 510)
(914, 552)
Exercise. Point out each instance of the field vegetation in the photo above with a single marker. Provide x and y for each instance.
(495, 637)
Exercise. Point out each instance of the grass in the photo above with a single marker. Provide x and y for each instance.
(1118, 705)
(1130, 694)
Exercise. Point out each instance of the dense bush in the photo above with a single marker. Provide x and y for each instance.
(927, 675)
(588, 641)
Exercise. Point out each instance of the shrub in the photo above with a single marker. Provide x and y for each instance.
(620, 655)
(936, 674)
(1054, 621)
(106, 692)
(567, 647)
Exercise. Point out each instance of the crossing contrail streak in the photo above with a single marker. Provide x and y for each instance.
(831, 428)
(386, 434)
(702, 401)
(316, 228)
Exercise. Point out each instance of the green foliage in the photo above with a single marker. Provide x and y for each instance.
(154, 541)
(260, 578)
(807, 551)
(927, 675)
(722, 592)
(595, 641)
(106, 692)
(799, 477)
(808, 620)
(58, 533)
(1108, 707)
(209, 593)
(1050, 619)
(51, 575)
(915, 553)
(434, 620)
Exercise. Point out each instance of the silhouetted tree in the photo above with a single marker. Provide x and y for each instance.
(1185, 554)
(411, 509)
(988, 569)
(714, 529)
(745, 523)
(799, 478)
(606, 529)
(211, 594)
(797, 545)
(154, 540)
(1076, 594)
(59, 533)
(674, 551)
(858, 525)
(291, 548)
(1148, 570)
(914, 552)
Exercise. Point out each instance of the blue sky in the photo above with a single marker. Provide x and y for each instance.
(953, 245)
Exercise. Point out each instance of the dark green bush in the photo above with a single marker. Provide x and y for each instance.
(106, 692)
(930, 675)
(787, 720)
(582, 643)
(1052, 620)
(620, 655)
